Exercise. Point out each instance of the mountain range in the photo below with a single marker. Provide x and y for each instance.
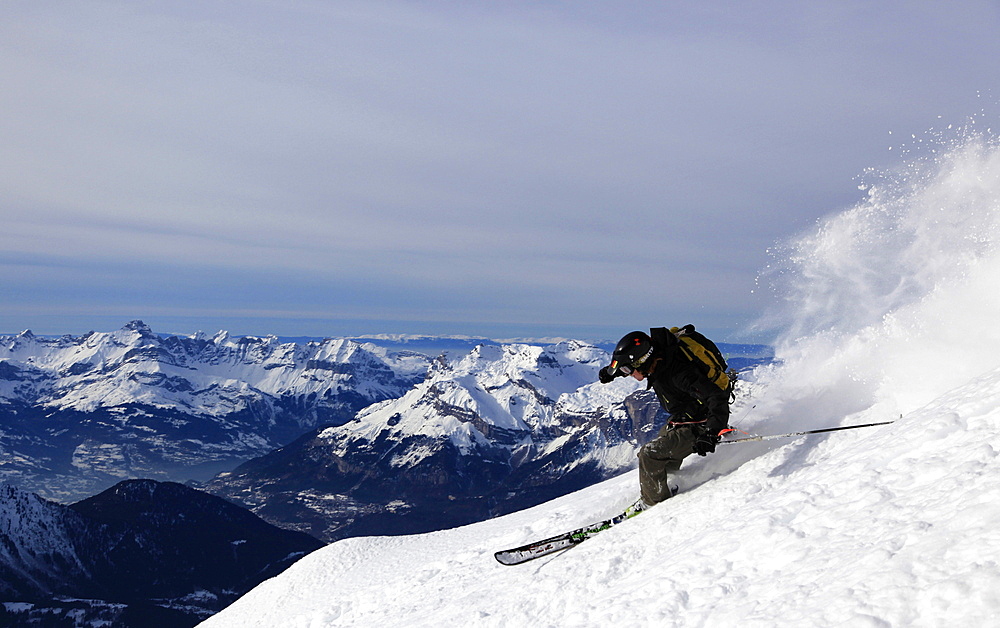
(79, 414)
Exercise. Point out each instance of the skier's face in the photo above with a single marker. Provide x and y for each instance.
(637, 374)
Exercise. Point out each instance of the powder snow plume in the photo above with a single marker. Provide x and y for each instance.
(889, 304)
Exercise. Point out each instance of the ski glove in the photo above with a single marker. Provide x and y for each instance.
(605, 375)
(705, 443)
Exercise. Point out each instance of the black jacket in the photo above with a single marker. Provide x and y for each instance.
(683, 388)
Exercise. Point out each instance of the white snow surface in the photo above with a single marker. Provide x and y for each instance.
(892, 314)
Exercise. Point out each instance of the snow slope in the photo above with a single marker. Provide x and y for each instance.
(893, 526)
(891, 310)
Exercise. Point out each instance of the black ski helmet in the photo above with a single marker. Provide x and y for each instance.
(631, 352)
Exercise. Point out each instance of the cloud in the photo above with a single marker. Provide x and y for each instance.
(518, 161)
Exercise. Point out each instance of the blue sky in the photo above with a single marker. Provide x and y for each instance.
(500, 169)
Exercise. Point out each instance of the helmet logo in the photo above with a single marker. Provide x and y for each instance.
(639, 361)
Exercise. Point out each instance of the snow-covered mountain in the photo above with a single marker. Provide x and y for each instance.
(889, 311)
(161, 551)
(498, 429)
(33, 532)
(81, 413)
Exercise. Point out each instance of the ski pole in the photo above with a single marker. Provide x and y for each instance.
(828, 429)
(745, 414)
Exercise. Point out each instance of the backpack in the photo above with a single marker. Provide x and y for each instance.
(700, 350)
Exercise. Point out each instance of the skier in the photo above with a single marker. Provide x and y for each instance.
(698, 405)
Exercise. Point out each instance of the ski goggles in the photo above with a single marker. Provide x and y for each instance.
(622, 369)
(617, 366)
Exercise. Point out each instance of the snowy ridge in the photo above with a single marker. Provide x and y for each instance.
(891, 314)
(82, 413)
(496, 395)
(196, 373)
(33, 533)
(501, 428)
(526, 399)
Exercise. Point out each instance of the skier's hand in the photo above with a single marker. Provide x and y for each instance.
(605, 375)
(705, 443)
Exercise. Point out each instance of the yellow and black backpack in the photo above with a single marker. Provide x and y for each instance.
(702, 351)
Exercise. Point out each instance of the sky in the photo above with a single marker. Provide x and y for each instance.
(574, 169)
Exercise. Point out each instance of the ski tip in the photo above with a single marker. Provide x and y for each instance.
(531, 551)
(510, 558)
(503, 557)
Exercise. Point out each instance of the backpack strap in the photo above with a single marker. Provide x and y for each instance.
(662, 337)
(689, 331)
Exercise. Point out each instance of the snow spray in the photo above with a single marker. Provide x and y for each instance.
(885, 306)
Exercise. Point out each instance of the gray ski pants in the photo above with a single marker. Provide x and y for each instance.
(661, 457)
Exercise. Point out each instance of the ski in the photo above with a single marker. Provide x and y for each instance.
(560, 542)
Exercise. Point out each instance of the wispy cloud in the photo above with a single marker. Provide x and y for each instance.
(533, 163)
